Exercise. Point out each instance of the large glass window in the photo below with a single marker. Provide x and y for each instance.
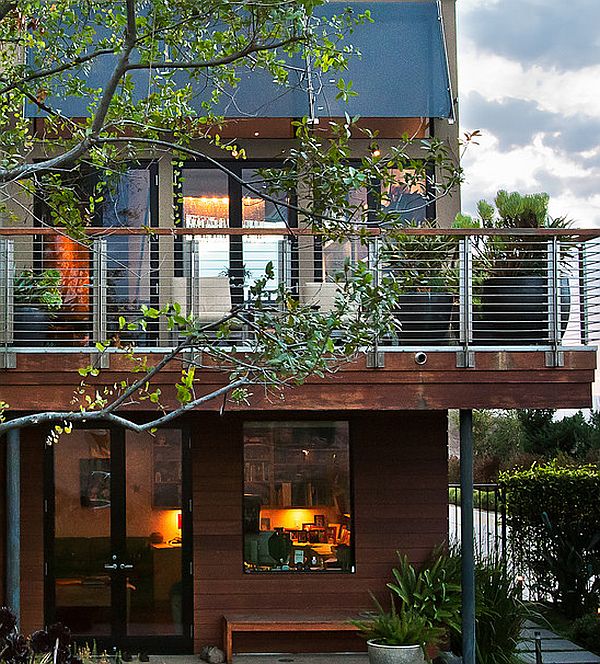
(297, 507)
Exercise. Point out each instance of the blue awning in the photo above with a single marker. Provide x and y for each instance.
(403, 72)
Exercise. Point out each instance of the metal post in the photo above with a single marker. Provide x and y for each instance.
(555, 358)
(13, 522)
(466, 358)
(375, 357)
(466, 532)
(100, 329)
(7, 309)
(583, 294)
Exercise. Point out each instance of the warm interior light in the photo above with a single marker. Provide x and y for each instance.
(178, 520)
(376, 152)
(214, 210)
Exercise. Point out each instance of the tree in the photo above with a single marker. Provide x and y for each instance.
(136, 66)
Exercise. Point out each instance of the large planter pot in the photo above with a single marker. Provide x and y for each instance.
(31, 326)
(380, 653)
(424, 317)
(514, 311)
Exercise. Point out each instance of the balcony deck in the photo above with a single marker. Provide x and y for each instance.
(519, 358)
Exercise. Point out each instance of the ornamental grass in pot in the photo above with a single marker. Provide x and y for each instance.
(397, 636)
(511, 277)
(422, 269)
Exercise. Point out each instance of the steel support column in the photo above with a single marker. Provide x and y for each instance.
(467, 540)
(13, 521)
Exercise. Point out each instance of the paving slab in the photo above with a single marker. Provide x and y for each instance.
(529, 633)
(550, 645)
(562, 657)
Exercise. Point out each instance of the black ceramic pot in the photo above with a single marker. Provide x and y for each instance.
(514, 310)
(424, 317)
(31, 326)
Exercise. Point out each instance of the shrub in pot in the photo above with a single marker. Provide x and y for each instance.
(422, 270)
(511, 272)
(36, 297)
(397, 636)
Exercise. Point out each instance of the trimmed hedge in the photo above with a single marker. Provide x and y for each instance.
(553, 517)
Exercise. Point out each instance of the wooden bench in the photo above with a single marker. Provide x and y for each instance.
(280, 623)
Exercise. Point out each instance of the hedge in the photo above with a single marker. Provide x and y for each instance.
(553, 518)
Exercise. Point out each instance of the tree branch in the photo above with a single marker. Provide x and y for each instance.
(216, 62)
(51, 71)
(103, 415)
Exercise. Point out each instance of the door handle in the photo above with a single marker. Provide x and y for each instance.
(125, 566)
(110, 565)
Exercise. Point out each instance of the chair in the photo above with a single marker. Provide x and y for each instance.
(213, 300)
(319, 294)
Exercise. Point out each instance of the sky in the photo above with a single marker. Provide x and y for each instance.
(529, 80)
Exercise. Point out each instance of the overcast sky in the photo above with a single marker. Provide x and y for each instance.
(529, 79)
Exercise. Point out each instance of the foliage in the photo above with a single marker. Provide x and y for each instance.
(402, 627)
(554, 530)
(586, 631)
(45, 646)
(500, 612)
(422, 263)
(135, 70)
(42, 290)
(432, 590)
(512, 255)
(482, 500)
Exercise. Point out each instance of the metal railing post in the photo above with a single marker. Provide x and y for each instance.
(100, 314)
(375, 357)
(465, 358)
(7, 310)
(555, 357)
(583, 294)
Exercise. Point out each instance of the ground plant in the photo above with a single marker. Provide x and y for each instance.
(553, 518)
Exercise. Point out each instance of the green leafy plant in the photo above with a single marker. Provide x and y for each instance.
(432, 591)
(38, 290)
(403, 627)
(500, 612)
(586, 631)
(554, 530)
(513, 255)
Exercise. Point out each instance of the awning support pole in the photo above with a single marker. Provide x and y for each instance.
(13, 522)
(466, 532)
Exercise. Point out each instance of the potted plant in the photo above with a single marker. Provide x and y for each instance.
(422, 271)
(397, 636)
(36, 297)
(511, 272)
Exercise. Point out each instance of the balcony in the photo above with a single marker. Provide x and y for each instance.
(459, 291)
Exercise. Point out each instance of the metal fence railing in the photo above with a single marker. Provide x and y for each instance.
(489, 519)
(463, 290)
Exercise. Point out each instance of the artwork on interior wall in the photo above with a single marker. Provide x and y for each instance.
(166, 473)
(320, 520)
(94, 483)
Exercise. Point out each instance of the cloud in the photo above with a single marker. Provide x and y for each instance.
(497, 77)
(552, 34)
(518, 121)
(533, 167)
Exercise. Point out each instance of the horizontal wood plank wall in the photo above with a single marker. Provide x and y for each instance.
(400, 502)
(32, 530)
(2, 519)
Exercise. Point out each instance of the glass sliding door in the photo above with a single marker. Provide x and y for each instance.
(118, 553)
(83, 580)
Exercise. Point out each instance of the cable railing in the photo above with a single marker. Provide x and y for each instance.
(462, 290)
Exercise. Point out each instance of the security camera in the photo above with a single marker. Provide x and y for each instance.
(420, 357)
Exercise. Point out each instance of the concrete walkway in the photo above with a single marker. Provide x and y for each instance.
(555, 649)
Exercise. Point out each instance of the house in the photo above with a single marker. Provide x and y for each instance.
(285, 507)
